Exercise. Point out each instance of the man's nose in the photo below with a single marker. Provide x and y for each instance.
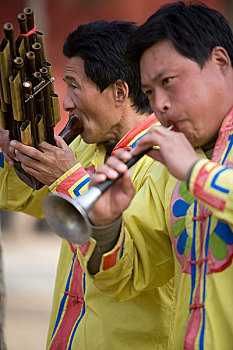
(68, 103)
(161, 102)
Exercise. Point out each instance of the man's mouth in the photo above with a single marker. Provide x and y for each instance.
(175, 125)
(76, 123)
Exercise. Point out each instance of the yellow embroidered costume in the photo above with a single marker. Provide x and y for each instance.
(82, 316)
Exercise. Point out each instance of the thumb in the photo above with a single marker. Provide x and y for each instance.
(127, 185)
(60, 142)
(156, 154)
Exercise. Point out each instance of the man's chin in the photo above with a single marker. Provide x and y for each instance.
(87, 138)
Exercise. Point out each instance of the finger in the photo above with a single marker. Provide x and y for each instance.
(96, 179)
(27, 150)
(11, 152)
(7, 149)
(127, 185)
(116, 164)
(27, 161)
(9, 155)
(60, 142)
(29, 170)
(8, 159)
(123, 155)
(148, 141)
(153, 138)
(45, 146)
(108, 171)
(160, 130)
(156, 154)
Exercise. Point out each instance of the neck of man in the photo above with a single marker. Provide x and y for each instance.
(208, 148)
(128, 122)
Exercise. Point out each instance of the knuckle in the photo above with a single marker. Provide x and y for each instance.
(34, 153)
(111, 161)
(152, 129)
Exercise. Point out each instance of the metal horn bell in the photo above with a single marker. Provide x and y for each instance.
(68, 217)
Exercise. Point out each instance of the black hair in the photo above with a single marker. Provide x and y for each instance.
(194, 30)
(102, 46)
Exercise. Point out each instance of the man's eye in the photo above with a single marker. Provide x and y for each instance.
(148, 93)
(166, 81)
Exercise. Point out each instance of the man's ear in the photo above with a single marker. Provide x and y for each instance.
(221, 58)
(121, 92)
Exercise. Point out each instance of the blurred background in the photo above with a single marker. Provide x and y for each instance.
(30, 249)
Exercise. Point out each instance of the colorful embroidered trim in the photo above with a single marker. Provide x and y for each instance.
(81, 315)
(199, 191)
(110, 260)
(198, 262)
(75, 298)
(71, 312)
(217, 187)
(84, 248)
(201, 217)
(74, 190)
(136, 133)
(1, 160)
(206, 247)
(196, 306)
(228, 148)
(69, 184)
(62, 304)
(193, 256)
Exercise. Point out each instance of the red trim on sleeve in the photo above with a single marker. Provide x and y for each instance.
(200, 193)
(67, 183)
(110, 259)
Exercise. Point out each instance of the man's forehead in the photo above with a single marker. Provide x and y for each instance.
(160, 59)
(74, 63)
(152, 64)
(74, 69)
(158, 50)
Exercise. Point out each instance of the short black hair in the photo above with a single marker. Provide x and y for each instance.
(194, 30)
(102, 45)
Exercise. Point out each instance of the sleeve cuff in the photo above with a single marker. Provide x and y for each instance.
(106, 238)
(190, 172)
(196, 172)
(205, 186)
(72, 183)
(104, 261)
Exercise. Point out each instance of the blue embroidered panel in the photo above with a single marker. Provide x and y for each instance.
(214, 185)
(1, 160)
(84, 182)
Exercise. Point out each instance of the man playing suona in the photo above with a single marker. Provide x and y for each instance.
(186, 58)
(105, 93)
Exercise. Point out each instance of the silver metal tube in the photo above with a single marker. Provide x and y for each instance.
(69, 217)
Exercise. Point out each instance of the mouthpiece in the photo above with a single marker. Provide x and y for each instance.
(73, 128)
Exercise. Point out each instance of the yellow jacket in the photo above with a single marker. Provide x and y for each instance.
(82, 316)
(200, 223)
